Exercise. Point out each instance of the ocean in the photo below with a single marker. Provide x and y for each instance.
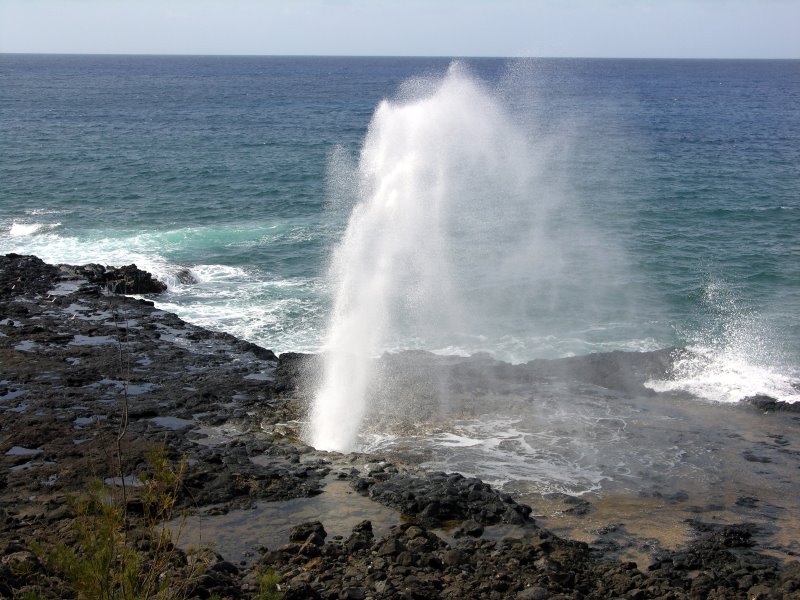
(541, 208)
(520, 209)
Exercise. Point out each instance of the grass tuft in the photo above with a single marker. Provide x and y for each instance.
(114, 557)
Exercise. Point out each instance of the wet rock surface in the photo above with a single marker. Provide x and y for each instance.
(770, 404)
(79, 364)
(411, 561)
(433, 499)
(128, 279)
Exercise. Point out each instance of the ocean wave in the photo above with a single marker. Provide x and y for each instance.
(732, 355)
(257, 311)
(726, 376)
(283, 313)
(47, 211)
(519, 349)
(147, 249)
(42, 240)
(217, 273)
(26, 229)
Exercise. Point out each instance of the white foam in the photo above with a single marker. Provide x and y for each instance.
(726, 376)
(451, 440)
(40, 240)
(283, 314)
(521, 349)
(47, 211)
(27, 229)
(502, 450)
(733, 356)
(263, 312)
(218, 273)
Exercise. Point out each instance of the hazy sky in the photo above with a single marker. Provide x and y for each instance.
(611, 28)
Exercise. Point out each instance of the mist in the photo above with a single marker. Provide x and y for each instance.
(464, 237)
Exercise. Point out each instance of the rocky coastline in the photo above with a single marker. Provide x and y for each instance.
(91, 380)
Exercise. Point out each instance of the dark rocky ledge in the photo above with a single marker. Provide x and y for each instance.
(770, 404)
(129, 279)
(436, 498)
(74, 355)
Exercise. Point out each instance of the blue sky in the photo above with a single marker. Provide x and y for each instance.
(605, 28)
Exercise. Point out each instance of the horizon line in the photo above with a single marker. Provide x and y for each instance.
(420, 56)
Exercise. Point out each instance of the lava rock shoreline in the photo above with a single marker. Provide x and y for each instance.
(77, 359)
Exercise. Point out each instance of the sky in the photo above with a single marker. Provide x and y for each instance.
(538, 28)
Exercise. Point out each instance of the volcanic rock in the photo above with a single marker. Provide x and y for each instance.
(80, 365)
(436, 498)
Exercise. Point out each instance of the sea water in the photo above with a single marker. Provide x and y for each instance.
(469, 231)
(632, 204)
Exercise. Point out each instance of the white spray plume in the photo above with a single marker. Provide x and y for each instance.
(453, 236)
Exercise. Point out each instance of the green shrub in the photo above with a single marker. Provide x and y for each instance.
(268, 586)
(114, 557)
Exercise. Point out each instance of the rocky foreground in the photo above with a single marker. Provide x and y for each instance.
(91, 381)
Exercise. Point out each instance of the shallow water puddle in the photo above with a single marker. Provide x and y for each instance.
(262, 376)
(238, 534)
(75, 309)
(30, 465)
(131, 389)
(91, 420)
(215, 435)
(11, 395)
(172, 423)
(92, 340)
(65, 288)
(20, 451)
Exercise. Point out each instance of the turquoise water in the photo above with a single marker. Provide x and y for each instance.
(672, 191)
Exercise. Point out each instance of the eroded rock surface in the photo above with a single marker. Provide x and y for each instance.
(79, 365)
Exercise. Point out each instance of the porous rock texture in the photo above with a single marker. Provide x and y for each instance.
(82, 367)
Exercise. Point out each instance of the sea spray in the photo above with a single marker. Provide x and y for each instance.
(732, 354)
(459, 236)
(25, 229)
(393, 262)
